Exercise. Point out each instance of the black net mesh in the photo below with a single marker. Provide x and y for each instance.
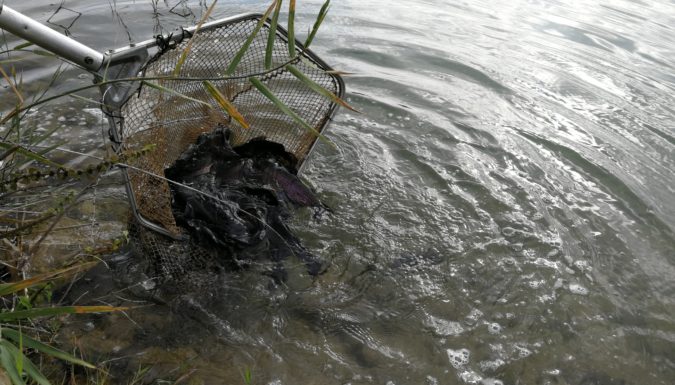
(173, 122)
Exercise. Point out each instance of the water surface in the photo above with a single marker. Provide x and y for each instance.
(504, 204)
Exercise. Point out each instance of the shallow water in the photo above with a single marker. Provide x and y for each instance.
(504, 205)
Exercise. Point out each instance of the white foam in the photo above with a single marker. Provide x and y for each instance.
(575, 288)
(494, 328)
(471, 377)
(459, 358)
(508, 231)
(474, 315)
(582, 265)
(444, 327)
(491, 381)
(522, 351)
(491, 365)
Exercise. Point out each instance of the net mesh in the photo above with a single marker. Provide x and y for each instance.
(174, 122)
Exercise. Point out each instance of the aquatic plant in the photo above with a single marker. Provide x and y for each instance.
(14, 341)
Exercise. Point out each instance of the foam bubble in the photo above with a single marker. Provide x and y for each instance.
(546, 263)
(491, 365)
(522, 351)
(494, 328)
(471, 377)
(458, 358)
(582, 265)
(474, 316)
(508, 231)
(575, 288)
(444, 327)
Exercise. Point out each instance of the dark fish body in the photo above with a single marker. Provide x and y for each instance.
(293, 188)
(244, 197)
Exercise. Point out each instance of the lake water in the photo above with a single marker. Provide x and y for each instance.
(504, 204)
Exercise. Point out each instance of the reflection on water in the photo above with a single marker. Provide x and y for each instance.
(504, 207)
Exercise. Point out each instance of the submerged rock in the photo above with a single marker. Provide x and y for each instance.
(236, 201)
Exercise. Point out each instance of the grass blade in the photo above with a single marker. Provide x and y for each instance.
(19, 356)
(24, 364)
(22, 46)
(40, 52)
(58, 310)
(240, 54)
(272, 35)
(10, 151)
(7, 61)
(317, 23)
(8, 362)
(33, 372)
(317, 88)
(225, 104)
(29, 154)
(291, 28)
(188, 46)
(12, 85)
(9, 288)
(286, 110)
(44, 348)
(173, 92)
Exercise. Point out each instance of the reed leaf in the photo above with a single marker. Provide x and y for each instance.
(317, 88)
(28, 342)
(225, 104)
(19, 357)
(10, 151)
(7, 61)
(8, 362)
(291, 28)
(54, 311)
(29, 154)
(41, 52)
(341, 73)
(22, 46)
(13, 287)
(174, 92)
(242, 51)
(42, 152)
(317, 23)
(286, 110)
(23, 364)
(33, 372)
(12, 85)
(188, 46)
(272, 35)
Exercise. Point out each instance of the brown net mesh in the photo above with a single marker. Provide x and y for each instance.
(173, 122)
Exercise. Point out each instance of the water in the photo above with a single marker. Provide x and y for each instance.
(504, 205)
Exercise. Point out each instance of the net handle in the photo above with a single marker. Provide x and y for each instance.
(47, 38)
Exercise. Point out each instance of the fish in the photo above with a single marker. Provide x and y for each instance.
(238, 200)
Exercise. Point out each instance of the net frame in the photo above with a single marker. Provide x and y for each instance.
(149, 116)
